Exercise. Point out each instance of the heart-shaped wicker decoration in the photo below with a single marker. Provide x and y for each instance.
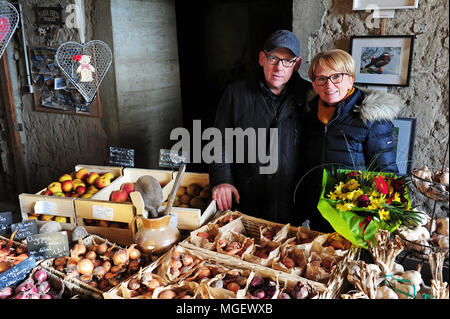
(9, 19)
(85, 65)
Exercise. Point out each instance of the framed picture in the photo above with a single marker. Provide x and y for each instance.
(385, 4)
(382, 60)
(404, 139)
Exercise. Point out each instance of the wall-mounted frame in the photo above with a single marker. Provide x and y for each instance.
(53, 92)
(382, 60)
(404, 139)
(385, 4)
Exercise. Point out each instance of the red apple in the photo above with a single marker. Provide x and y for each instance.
(80, 190)
(127, 187)
(48, 193)
(66, 186)
(82, 173)
(119, 196)
(90, 179)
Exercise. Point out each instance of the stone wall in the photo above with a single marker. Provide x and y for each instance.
(427, 97)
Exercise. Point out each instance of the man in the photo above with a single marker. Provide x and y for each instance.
(269, 100)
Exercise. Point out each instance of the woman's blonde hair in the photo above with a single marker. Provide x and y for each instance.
(335, 59)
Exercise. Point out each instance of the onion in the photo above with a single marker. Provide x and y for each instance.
(43, 287)
(259, 293)
(284, 296)
(91, 255)
(4, 266)
(99, 272)
(102, 248)
(85, 267)
(46, 296)
(133, 253)
(34, 295)
(78, 249)
(107, 266)
(40, 275)
(257, 282)
(6, 292)
(120, 257)
(26, 286)
(22, 295)
(134, 284)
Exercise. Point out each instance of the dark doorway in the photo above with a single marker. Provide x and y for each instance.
(219, 42)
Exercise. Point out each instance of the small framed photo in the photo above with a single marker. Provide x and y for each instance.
(382, 60)
(404, 139)
(384, 4)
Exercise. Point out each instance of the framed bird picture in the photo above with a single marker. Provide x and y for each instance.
(382, 60)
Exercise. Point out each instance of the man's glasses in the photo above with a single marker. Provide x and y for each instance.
(334, 78)
(273, 60)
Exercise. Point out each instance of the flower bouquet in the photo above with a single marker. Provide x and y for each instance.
(358, 203)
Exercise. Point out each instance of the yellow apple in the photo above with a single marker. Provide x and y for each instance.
(65, 177)
(55, 187)
(59, 194)
(86, 195)
(108, 175)
(67, 186)
(102, 182)
(82, 173)
(90, 179)
(46, 218)
(61, 219)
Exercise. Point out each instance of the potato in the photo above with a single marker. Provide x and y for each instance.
(193, 189)
(185, 199)
(181, 191)
(197, 202)
(205, 194)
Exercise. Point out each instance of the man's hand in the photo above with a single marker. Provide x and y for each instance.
(222, 194)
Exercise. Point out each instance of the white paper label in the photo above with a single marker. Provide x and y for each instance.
(45, 208)
(100, 212)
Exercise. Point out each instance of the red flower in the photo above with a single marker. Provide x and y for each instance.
(363, 201)
(353, 174)
(381, 185)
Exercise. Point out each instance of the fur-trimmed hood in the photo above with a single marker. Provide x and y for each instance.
(378, 106)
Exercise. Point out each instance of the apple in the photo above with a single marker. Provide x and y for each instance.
(59, 194)
(127, 187)
(90, 179)
(48, 193)
(46, 218)
(119, 196)
(108, 175)
(102, 182)
(82, 173)
(66, 186)
(60, 219)
(86, 195)
(80, 190)
(55, 187)
(65, 177)
(77, 182)
(74, 195)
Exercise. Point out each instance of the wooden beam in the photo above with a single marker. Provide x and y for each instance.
(11, 119)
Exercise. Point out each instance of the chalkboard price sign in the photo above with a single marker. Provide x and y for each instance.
(24, 229)
(17, 273)
(121, 156)
(48, 245)
(49, 15)
(5, 222)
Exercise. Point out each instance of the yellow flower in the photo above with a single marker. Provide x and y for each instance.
(352, 185)
(332, 196)
(344, 206)
(384, 215)
(396, 198)
(355, 194)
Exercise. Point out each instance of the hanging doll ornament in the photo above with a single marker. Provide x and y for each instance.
(9, 20)
(85, 65)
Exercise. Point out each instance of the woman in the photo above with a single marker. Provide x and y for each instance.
(345, 125)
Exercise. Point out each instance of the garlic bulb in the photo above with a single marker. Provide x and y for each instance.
(422, 246)
(444, 177)
(384, 292)
(414, 277)
(405, 290)
(442, 226)
(397, 268)
(425, 174)
(443, 242)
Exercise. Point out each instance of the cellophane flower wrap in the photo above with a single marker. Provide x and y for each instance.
(359, 203)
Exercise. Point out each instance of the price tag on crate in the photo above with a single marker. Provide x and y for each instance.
(5, 222)
(48, 245)
(24, 229)
(45, 208)
(17, 273)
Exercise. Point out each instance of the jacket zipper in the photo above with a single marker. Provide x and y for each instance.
(324, 143)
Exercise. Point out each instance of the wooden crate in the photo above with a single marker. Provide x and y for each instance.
(252, 228)
(60, 206)
(192, 218)
(99, 207)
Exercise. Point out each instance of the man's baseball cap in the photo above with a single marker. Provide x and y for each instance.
(283, 39)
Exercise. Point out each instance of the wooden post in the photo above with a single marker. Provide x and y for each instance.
(11, 119)
(383, 26)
